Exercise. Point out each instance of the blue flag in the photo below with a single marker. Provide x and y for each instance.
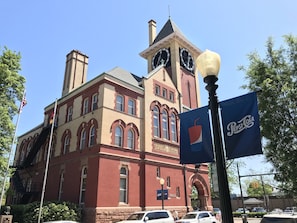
(241, 126)
(195, 137)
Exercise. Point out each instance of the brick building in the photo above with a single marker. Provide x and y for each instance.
(117, 135)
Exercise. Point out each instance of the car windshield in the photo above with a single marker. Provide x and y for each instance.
(135, 216)
(189, 216)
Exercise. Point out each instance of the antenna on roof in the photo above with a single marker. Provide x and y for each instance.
(169, 11)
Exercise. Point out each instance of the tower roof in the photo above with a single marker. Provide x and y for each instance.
(169, 28)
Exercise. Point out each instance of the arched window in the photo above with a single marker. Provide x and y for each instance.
(120, 103)
(83, 184)
(94, 101)
(119, 136)
(86, 106)
(66, 144)
(173, 127)
(123, 185)
(61, 186)
(130, 139)
(82, 143)
(156, 121)
(165, 124)
(92, 136)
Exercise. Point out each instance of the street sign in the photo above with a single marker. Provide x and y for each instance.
(159, 194)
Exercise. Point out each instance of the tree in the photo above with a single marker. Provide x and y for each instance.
(275, 76)
(11, 91)
(255, 189)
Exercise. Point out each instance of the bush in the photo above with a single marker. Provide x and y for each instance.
(52, 211)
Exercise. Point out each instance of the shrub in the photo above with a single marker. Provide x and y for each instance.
(52, 211)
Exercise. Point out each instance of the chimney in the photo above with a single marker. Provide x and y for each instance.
(152, 31)
(75, 71)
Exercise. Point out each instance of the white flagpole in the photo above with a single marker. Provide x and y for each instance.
(11, 148)
(47, 163)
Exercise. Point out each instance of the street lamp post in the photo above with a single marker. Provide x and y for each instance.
(208, 64)
(162, 191)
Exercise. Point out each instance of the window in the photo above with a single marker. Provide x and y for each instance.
(130, 139)
(171, 96)
(156, 121)
(168, 181)
(83, 184)
(94, 102)
(177, 192)
(165, 124)
(131, 107)
(158, 171)
(120, 103)
(164, 93)
(66, 144)
(86, 106)
(61, 186)
(119, 136)
(82, 139)
(157, 90)
(92, 136)
(123, 185)
(69, 113)
(173, 127)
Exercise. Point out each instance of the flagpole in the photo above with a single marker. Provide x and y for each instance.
(47, 163)
(11, 148)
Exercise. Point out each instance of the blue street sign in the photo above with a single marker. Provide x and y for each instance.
(159, 194)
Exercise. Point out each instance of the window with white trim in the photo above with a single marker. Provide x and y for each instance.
(69, 113)
(173, 127)
(61, 186)
(94, 101)
(83, 184)
(156, 121)
(130, 139)
(86, 106)
(165, 124)
(66, 144)
(119, 136)
(131, 107)
(92, 136)
(123, 185)
(82, 143)
(120, 103)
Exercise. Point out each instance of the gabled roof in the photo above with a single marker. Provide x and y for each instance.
(168, 28)
(124, 76)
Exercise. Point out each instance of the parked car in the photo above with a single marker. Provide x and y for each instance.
(276, 211)
(281, 218)
(155, 216)
(259, 209)
(216, 211)
(240, 210)
(198, 217)
(290, 209)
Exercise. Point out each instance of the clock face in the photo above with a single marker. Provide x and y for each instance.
(161, 57)
(186, 59)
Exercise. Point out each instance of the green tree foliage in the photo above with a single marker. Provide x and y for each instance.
(256, 189)
(11, 91)
(276, 76)
(52, 211)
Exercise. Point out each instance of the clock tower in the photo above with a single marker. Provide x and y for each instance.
(171, 50)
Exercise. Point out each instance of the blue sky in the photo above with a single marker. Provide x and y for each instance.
(113, 33)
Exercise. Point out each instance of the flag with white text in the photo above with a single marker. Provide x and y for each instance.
(241, 126)
(195, 137)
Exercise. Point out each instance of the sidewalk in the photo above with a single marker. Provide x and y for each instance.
(249, 220)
